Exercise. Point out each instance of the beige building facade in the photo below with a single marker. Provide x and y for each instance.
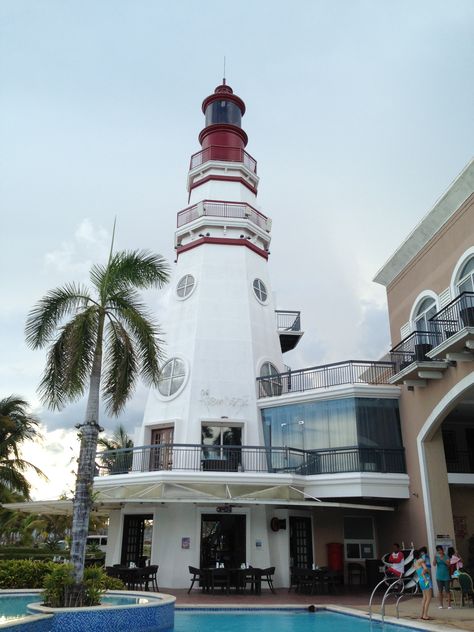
(430, 294)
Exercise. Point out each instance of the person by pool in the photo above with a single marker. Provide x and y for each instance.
(424, 582)
(441, 561)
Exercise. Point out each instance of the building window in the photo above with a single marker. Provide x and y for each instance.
(185, 286)
(172, 377)
(215, 455)
(426, 310)
(260, 290)
(271, 383)
(359, 539)
(466, 277)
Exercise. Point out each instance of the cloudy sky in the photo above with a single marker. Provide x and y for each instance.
(358, 112)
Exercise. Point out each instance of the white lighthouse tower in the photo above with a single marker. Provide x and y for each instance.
(220, 327)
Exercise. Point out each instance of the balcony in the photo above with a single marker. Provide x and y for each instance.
(215, 208)
(289, 329)
(412, 364)
(225, 154)
(460, 463)
(454, 325)
(249, 459)
(325, 376)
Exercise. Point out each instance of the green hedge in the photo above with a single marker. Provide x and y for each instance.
(24, 573)
(32, 573)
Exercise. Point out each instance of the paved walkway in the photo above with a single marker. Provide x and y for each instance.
(455, 619)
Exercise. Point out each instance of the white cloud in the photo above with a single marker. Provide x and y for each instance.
(74, 257)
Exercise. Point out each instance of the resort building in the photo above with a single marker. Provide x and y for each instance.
(430, 293)
(242, 460)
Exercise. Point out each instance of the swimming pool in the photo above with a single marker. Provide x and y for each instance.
(277, 621)
(16, 606)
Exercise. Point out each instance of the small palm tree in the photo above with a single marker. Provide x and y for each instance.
(17, 425)
(119, 455)
(101, 341)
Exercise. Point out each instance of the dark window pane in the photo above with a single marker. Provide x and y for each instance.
(352, 551)
(358, 528)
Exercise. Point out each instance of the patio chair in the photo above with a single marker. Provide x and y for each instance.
(355, 571)
(150, 576)
(220, 578)
(467, 589)
(266, 575)
(197, 576)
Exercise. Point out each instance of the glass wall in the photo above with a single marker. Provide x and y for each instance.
(337, 423)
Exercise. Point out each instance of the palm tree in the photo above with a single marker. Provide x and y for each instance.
(17, 425)
(119, 455)
(101, 340)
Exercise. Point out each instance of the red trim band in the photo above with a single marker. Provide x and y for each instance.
(225, 241)
(224, 179)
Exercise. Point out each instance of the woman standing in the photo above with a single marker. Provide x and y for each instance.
(441, 561)
(424, 582)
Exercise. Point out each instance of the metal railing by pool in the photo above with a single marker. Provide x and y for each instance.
(224, 153)
(234, 458)
(216, 208)
(413, 348)
(456, 315)
(325, 376)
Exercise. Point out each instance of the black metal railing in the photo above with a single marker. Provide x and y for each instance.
(325, 376)
(224, 458)
(457, 315)
(463, 463)
(288, 321)
(413, 348)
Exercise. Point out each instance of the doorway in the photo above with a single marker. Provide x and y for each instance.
(301, 542)
(223, 540)
(136, 541)
(161, 453)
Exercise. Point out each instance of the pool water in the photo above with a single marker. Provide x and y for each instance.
(16, 606)
(283, 621)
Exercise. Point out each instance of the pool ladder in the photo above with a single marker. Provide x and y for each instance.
(398, 587)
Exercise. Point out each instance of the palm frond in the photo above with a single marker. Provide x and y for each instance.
(69, 360)
(138, 268)
(47, 314)
(80, 340)
(12, 477)
(120, 369)
(132, 313)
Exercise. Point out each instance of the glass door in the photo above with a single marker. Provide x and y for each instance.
(161, 453)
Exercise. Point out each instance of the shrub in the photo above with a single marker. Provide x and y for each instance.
(24, 573)
(60, 591)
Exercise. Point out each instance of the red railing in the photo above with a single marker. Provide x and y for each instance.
(221, 152)
(215, 208)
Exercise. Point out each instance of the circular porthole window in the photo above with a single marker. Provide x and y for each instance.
(172, 377)
(260, 290)
(185, 286)
(270, 380)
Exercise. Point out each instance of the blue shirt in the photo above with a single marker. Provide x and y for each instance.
(442, 568)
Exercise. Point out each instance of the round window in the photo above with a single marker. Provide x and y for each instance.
(270, 380)
(185, 286)
(172, 377)
(260, 290)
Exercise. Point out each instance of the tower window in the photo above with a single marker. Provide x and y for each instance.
(172, 377)
(185, 286)
(271, 383)
(260, 290)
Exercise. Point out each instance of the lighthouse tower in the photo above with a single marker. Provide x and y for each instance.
(220, 326)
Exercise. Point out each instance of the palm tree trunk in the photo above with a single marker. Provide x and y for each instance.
(83, 497)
